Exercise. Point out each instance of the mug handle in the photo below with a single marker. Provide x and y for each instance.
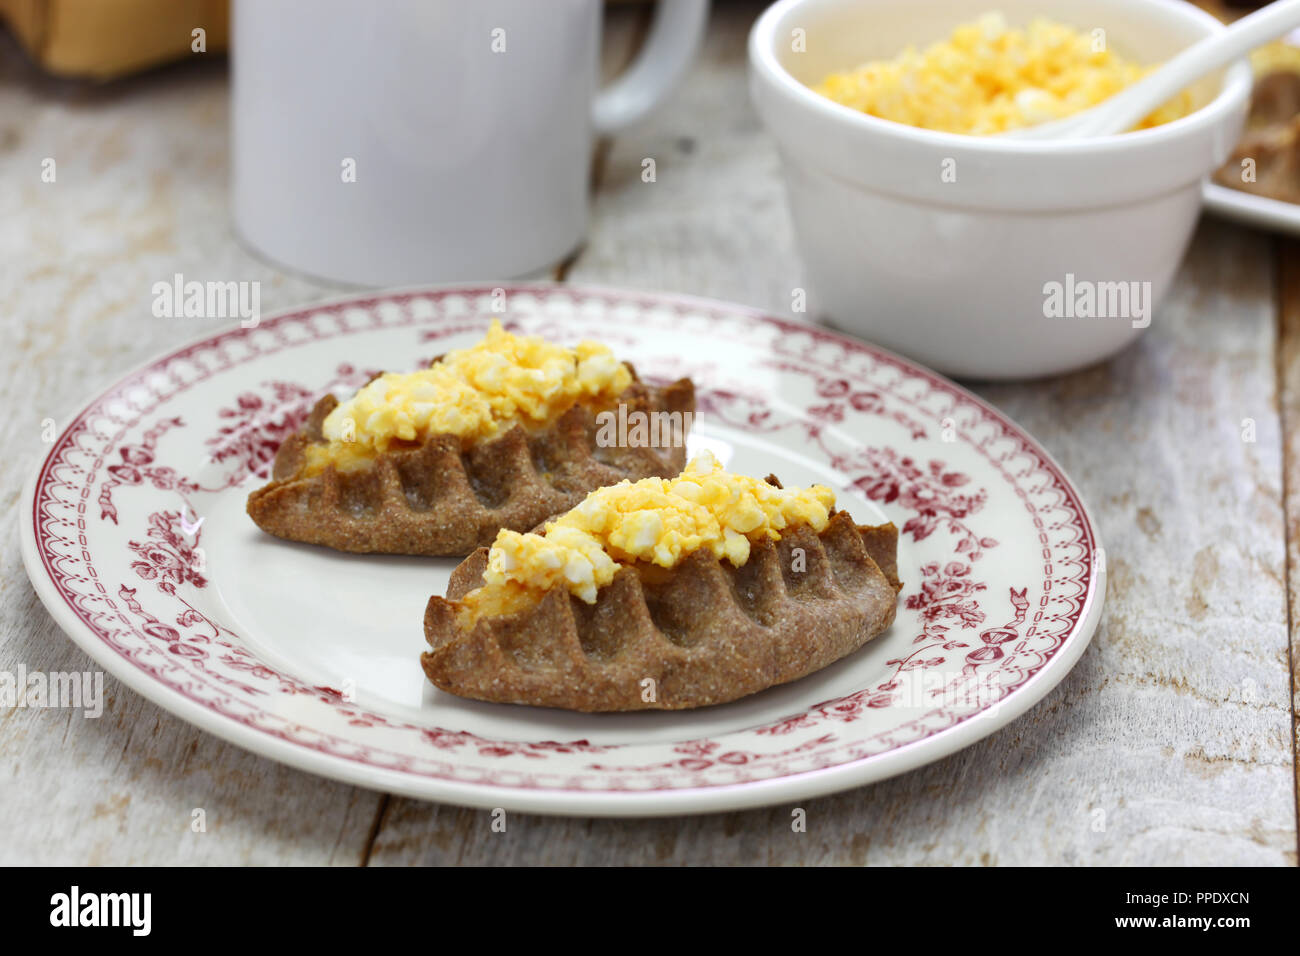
(674, 39)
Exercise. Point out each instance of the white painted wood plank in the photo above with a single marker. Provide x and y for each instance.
(141, 194)
(1288, 259)
(714, 221)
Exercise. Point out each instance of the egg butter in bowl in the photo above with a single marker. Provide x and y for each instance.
(925, 230)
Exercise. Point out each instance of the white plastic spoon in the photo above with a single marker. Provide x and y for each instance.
(1125, 109)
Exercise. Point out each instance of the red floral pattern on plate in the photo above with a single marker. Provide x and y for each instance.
(844, 385)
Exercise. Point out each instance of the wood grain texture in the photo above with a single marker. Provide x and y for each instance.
(140, 194)
(714, 221)
(1172, 741)
(1288, 364)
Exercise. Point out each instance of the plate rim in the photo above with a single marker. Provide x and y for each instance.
(556, 801)
(1261, 212)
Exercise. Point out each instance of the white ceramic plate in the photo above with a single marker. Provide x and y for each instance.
(312, 657)
(1251, 210)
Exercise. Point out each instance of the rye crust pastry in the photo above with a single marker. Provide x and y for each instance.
(437, 499)
(705, 631)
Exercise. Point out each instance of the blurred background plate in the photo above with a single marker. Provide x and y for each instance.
(1258, 211)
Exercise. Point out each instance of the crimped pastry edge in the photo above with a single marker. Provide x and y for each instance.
(734, 652)
(471, 495)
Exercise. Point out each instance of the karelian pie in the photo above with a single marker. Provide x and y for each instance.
(500, 435)
(1271, 141)
(664, 595)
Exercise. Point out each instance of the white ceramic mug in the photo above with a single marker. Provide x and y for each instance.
(392, 142)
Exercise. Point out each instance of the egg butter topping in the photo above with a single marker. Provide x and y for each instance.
(655, 520)
(474, 393)
(988, 77)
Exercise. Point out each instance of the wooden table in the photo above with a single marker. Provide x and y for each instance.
(1172, 741)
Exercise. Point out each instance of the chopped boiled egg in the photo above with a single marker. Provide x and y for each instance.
(655, 520)
(471, 393)
(988, 78)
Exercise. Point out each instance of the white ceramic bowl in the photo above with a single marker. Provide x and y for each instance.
(958, 274)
